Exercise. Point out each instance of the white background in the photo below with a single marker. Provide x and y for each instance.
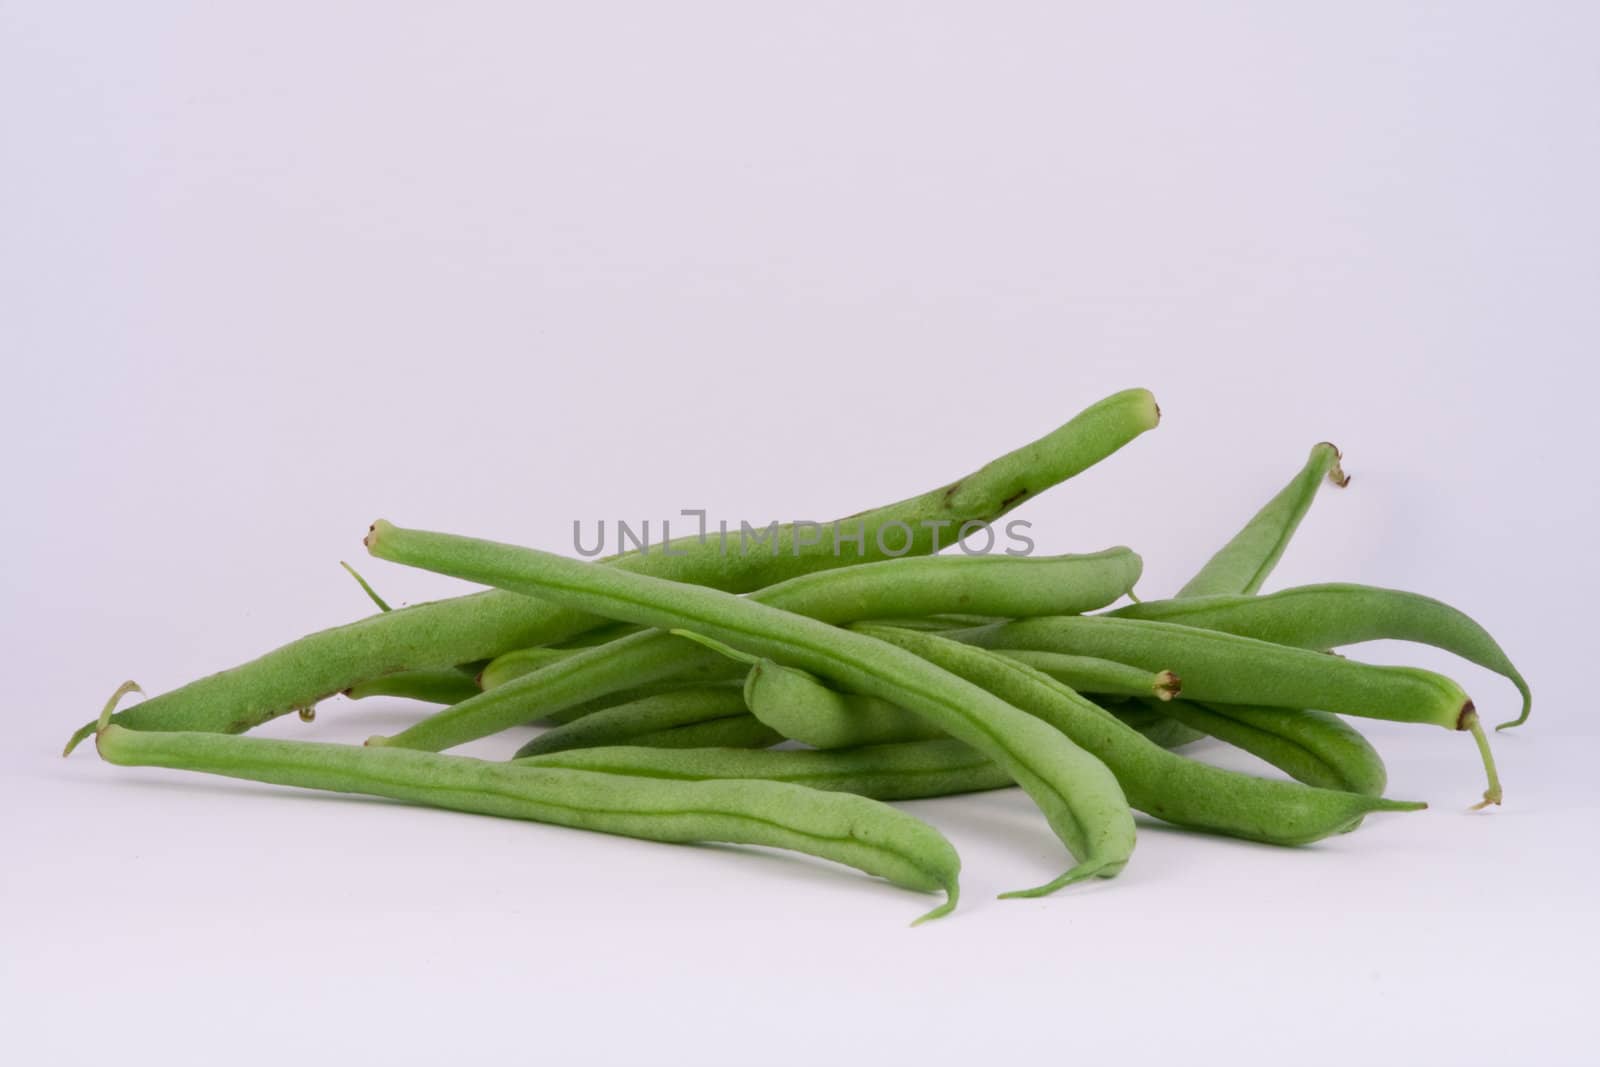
(268, 272)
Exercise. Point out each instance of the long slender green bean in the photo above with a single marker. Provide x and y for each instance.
(1314, 747)
(853, 830)
(1230, 669)
(618, 725)
(1338, 614)
(1090, 674)
(1078, 796)
(995, 586)
(905, 771)
(483, 625)
(1242, 564)
(735, 731)
(1161, 783)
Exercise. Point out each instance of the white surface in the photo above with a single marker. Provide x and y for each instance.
(270, 274)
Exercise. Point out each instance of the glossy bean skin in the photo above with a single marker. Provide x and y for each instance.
(620, 724)
(861, 833)
(1242, 564)
(1335, 615)
(1089, 674)
(1079, 798)
(1158, 782)
(445, 633)
(801, 708)
(893, 587)
(906, 771)
(1313, 747)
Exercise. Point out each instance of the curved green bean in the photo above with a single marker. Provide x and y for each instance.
(861, 833)
(1171, 787)
(483, 625)
(735, 731)
(995, 586)
(1337, 614)
(1314, 747)
(905, 771)
(1078, 796)
(1241, 565)
(1089, 674)
(801, 708)
(617, 725)
(450, 685)
(1229, 669)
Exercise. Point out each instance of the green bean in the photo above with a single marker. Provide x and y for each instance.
(1088, 674)
(1242, 564)
(1164, 784)
(1314, 747)
(856, 831)
(907, 771)
(801, 708)
(1335, 615)
(1078, 796)
(995, 586)
(736, 731)
(616, 725)
(1229, 669)
(1152, 725)
(483, 625)
(449, 685)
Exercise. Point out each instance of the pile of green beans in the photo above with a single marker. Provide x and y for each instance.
(784, 697)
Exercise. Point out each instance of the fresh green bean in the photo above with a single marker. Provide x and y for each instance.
(617, 725)
(1152, 725)
(1160, 783)
(1089, 674)
(905, 771)
(856, 831)
(1242, 564)
(736, 731)
(1335, 615)
(801, 708)
(1078, 796)
(450, 685)
(1313, 747)
(1230, 669)
(994, 585)
(483, 625)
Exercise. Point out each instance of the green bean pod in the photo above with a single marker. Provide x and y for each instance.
(1078, 796)
(1313, 747)
(1089, 674)
(620, 724)
(995, 586)
(444, 633)
(906, 771)
(801, 708)
(1225, 668)
(1335, 615)
(1155, 727)
(861, 833)
(450, 685)
(1170, 787)
(1242, 564)
(735, 731)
